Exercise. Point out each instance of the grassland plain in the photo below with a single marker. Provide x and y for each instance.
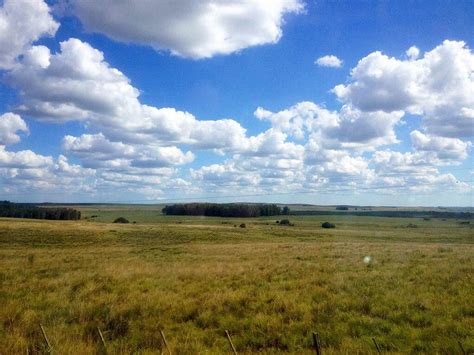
(269, 285)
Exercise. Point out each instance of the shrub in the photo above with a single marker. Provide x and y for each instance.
(285, 222)
(328, 225)
(242, 225)
(121, 220)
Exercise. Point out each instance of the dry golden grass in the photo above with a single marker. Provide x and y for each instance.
(269, 285)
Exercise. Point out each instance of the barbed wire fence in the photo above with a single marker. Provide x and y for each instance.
(316, 344)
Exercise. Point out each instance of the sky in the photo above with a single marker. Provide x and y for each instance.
(287, 101)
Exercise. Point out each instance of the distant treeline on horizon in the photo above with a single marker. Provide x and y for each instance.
(26, 210)
(396, 214)
(224, 210)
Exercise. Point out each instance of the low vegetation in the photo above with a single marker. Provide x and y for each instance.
(122, 220)
(286, 222)
(328, 225)
(271, 287)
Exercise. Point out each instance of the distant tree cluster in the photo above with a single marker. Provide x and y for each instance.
(328, 225)
(26, 210)
(285, 222)
(122, 220)
(223, 210)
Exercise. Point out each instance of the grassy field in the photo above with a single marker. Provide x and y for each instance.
(269, 285)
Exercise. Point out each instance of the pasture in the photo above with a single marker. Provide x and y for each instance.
(271, 286)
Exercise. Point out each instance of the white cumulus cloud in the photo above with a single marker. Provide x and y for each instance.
(189, 28)
(445, 148)
(438, 86)
(329, 61)
(77, 84)
(10, 125)
(22, 22)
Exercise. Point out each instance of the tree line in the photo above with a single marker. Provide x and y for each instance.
(397, 214)
(27, 210)
(224, 210)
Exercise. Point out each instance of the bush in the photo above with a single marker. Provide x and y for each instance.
(285, 222)
(243, 225)
(121, 220)
(328, 225)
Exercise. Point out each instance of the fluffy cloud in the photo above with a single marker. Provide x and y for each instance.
(97, 151)
(10, 124)
(415, 171)
(272, 143)
(77, 84)
(225, 175)
(22, 22)
(439, 86)
(189, 28)
(300, 118)
(413, 52)
(366, 130)
(445, 148)
(348, 128)
(329, 61)
(71, 85)
(23, 159)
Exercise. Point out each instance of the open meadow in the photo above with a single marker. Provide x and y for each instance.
(269, 285)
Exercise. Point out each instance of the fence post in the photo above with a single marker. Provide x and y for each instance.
(164, 341)
(46, 339)
(316, 343)
(102, 340)
(376, 346)
(230, 342)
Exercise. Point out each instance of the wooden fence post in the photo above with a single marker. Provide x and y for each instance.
(377, 346)
(46, 339)
(164, 341)
(316, 343)
(230, 342)
(102, 340)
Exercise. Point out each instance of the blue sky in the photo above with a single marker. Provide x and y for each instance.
(158, 103)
